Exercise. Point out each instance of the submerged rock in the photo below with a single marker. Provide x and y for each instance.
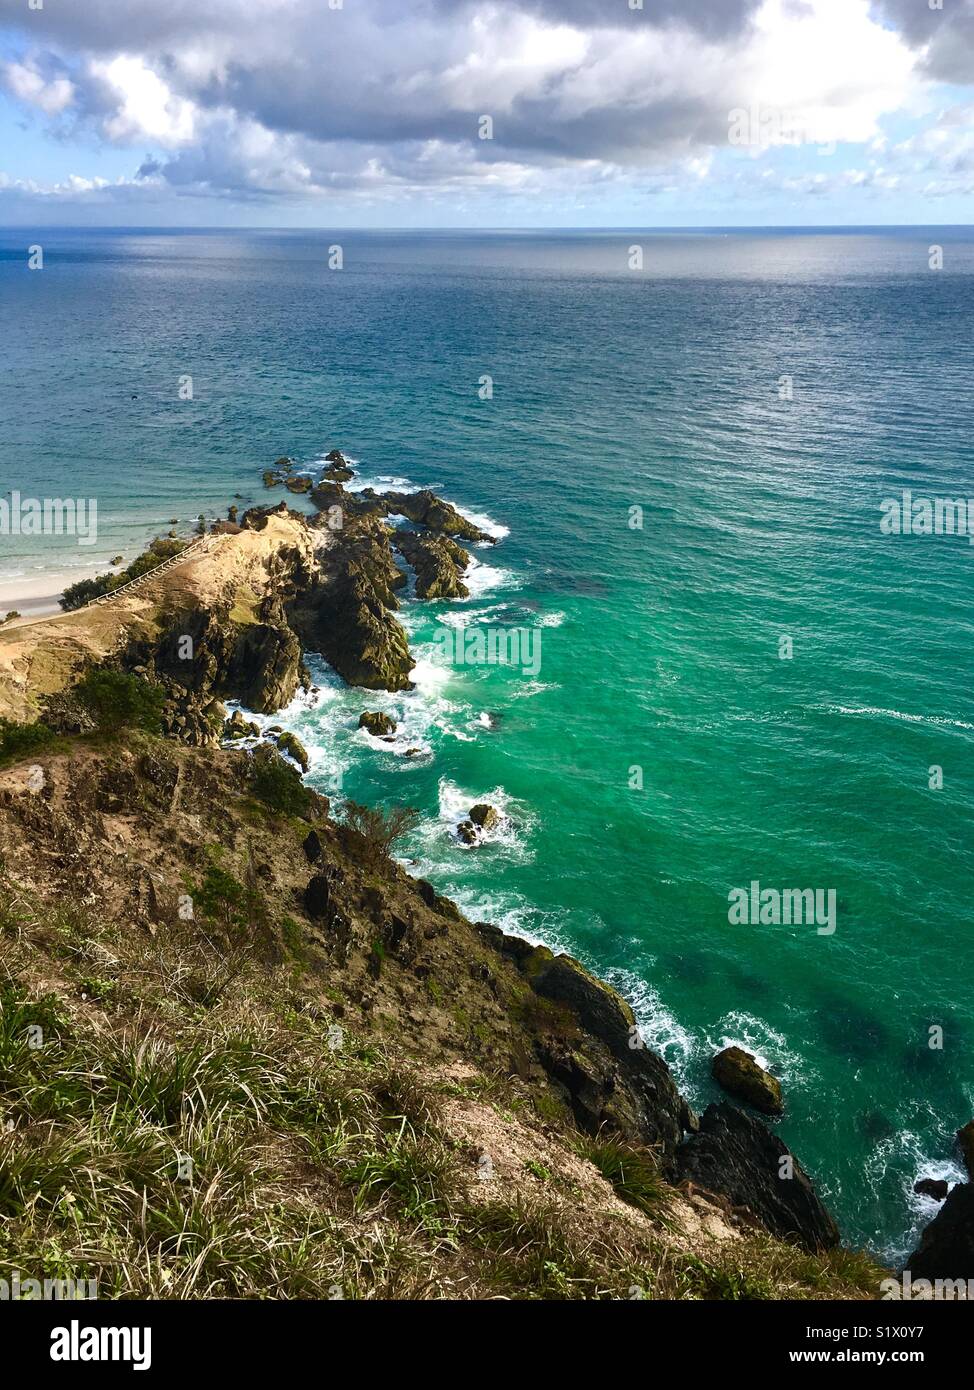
(735, 1155)
(946, 1249)
(738, 1073)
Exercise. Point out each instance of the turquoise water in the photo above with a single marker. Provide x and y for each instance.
(660, 646)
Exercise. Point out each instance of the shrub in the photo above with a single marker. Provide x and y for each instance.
(20, 740)
(117, 701)
(377, 829)
(277, 784)
(77, 595)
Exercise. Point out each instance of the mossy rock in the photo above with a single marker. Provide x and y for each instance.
(290, 743)
(740, 1075)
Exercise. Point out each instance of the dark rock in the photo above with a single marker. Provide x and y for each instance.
(738, 1073)
(376, 723)
(439, 564)
(965, 1138)
(312, 846)
(317, 897)
(432, 899)
(298, 484)
(483, 815)
(424, 508)
(348, 614)
(634, 1091)
(467, 832)
(936, 1188)
(426, 891)
(735, 1155)
(946, 1249)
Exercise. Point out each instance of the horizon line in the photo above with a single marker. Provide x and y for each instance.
(600, 227)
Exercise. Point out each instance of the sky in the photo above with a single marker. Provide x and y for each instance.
(486, 113)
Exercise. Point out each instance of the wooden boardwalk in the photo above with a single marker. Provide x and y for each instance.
(197, 547)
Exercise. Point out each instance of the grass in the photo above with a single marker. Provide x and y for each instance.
(173, 1142)
(633, 1172)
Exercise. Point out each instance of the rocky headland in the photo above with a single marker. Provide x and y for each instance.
(118, 808)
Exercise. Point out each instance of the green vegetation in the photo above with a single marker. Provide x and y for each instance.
(20, 740)
(632, 1170)
(172, 1147)
(277, 784)
(118, 701)
(77, 595)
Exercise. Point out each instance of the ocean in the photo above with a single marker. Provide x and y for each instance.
(742, 679)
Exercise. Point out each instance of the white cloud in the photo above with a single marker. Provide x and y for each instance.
(289, 98)
(142, 105)
(26, 83)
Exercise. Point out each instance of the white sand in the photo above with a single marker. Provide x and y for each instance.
(38, 594)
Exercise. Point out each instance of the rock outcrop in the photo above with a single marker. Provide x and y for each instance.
(425, 509)
(347, 614)
(935, 1188)
(588, 1044)
(439, 564)
(376, 723)
(738, 1073)
(290, 744)
(965, 1138)
(734, 1154)
(946, 1249)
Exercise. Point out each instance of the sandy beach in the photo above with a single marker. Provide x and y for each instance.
(34, 596)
